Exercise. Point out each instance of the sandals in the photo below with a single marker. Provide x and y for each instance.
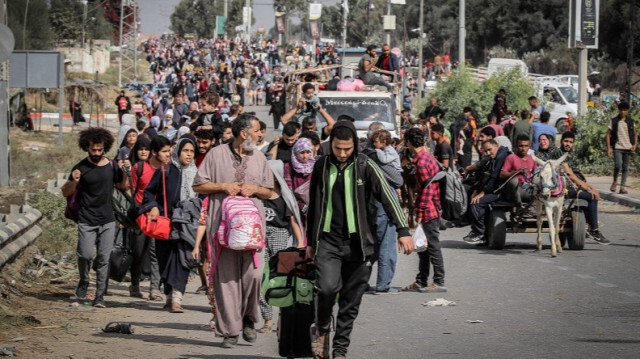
(155, 296)
(265, 329)
(202, 290)
(134, 291)
(121, 328)
(613, 187)
(212, 324)
(176, 308)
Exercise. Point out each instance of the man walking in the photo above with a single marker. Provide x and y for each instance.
(93, 179)
(428, 210)
(344, 186)
(123, 104)
(622, 141)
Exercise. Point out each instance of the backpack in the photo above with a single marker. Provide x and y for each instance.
(453, 196)
(124, 205)
(241, 225)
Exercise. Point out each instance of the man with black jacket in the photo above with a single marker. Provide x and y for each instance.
(486, 196)
(345, 186)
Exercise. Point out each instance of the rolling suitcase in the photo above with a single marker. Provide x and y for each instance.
(294, 339)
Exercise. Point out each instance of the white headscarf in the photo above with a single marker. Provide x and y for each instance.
(127, 118)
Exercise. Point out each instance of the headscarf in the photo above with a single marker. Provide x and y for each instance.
(183, 130)
(123, 143)
(301, 145)
(125, 127)
(154, 122)
(187, 173)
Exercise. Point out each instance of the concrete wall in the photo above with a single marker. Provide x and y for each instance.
(93, 57)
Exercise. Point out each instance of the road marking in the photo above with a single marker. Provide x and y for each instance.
(606, 285)
(584, 276)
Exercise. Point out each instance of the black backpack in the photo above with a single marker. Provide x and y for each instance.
(124, 205)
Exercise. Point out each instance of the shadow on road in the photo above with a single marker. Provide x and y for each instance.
(609, 340)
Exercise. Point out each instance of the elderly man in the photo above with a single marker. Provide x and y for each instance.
(235, 169)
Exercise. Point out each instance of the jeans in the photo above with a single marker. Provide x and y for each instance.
(621, 162)
(520, 194)
(340, 269)
(143, 247)
(385, 252)
(375, 80)
(102, 239)
(432, 256)
(477, 211)
(592, 208)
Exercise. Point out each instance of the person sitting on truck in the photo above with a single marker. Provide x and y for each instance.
(365, 67)
(388, 61)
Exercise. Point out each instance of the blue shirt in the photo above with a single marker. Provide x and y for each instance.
(538, 129)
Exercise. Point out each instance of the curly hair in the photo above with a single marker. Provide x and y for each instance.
(383, 136)
(94, 135)
(415, 137)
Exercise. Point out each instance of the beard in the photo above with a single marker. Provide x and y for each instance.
(95, 159)
(249, 145)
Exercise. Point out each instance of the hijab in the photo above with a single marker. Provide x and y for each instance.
(125, 127)
(188, 172)
(301, 145)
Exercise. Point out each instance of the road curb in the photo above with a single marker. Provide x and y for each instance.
(621, 199)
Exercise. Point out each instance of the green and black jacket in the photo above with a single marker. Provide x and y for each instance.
(364, 185)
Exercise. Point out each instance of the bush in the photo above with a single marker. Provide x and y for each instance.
(59, 235)
(590, 151)
(460, 89)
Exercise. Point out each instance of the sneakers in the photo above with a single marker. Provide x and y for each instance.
(597, 236)
(435, 288)
(473, 238)
(391, 290)
(80, 293)
(319, 343)
(99, 303)
(229, 342)
(415, 287)
(249, 333)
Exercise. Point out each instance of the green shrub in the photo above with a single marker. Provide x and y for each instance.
(590, 150)
(59, 235)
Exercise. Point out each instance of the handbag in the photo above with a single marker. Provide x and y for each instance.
(120, 259)
(160, 227)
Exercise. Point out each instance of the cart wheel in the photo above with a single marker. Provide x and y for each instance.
(576, 237)
(496, 228)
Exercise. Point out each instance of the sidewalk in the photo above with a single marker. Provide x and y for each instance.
(632, 199)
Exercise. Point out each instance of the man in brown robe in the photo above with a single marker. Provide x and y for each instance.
(235, 169)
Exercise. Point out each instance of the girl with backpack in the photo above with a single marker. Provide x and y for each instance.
(283, 223)
(174, 182)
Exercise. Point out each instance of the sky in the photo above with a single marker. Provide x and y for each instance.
(155, 14)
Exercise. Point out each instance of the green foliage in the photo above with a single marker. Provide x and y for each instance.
(66, 20)
(590, 151)
(38, 34)
(460, 89)
(59, 235)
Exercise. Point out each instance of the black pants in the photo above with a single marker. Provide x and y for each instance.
(432, 256)
(340, 269)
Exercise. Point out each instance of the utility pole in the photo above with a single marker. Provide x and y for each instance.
(388, 16)
(24, 26)
(420, 66)
(84, 20)
(5, 146)
(345, 14)
(247, 3)
(366, 27)
(127, 72)
(630, 57)
(462, 33)
(226, 5)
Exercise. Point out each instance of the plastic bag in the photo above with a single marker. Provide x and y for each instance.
(419, 240)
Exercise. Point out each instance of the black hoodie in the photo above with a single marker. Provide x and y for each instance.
(369, 186)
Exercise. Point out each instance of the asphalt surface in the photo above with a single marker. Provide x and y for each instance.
(521, 303)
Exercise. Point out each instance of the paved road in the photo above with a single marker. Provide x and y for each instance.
(582, 304)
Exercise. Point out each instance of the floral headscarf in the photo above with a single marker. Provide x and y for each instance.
(301, 145)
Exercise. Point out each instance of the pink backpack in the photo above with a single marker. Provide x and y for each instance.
(241, 225)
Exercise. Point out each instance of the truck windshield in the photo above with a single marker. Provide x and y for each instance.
(569, 93)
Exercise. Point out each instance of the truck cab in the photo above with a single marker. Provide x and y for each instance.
(559, 98)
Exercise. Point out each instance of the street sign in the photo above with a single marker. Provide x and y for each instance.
(584, 18)
(398, 2)
(389, 22)
(315, 11)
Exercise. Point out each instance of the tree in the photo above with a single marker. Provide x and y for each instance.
(65, 17)
(38, 31)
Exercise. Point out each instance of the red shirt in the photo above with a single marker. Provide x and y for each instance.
(140, 184)
(514, 163)
(428, 202)
(199, 158)
(385, 63)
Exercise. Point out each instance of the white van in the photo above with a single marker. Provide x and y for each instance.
(502, 65)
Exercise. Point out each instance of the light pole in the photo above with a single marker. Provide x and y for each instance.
(420, 49)
(24, 27)
(461, 33)
(84, 20)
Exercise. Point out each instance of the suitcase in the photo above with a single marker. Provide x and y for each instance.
(294, 338)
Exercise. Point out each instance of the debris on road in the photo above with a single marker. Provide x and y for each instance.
(440, 302)
(474, 321)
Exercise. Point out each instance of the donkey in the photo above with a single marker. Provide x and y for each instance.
(550, 194)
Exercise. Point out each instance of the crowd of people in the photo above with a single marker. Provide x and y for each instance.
(193, 159)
